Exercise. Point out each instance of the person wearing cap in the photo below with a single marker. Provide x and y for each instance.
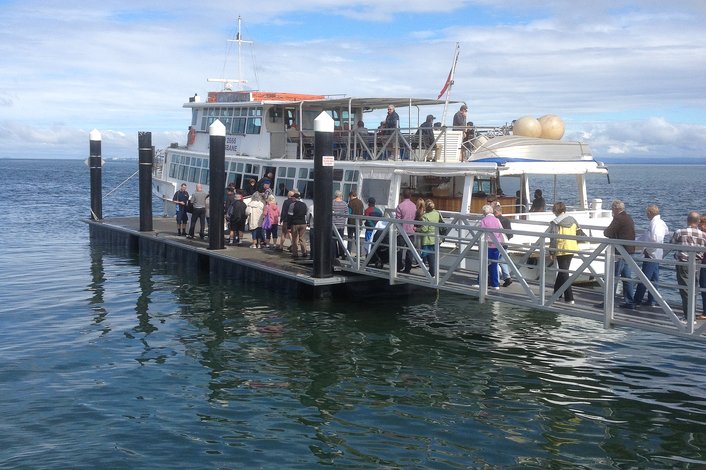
(370, 211)
(426, 132)
(460, 118)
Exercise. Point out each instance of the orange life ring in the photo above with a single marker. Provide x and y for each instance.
(192, 136)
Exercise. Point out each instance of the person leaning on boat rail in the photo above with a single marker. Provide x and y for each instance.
(538, 203)
(622, 227)
(459, 122)
(655, 233)
(563, 249)
(493, 239)
(426, 132)
(198, 200)
(392, 123)
(692, 235)
(180, 198)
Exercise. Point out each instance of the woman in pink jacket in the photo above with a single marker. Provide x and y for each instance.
(494, 239)
(271, 222)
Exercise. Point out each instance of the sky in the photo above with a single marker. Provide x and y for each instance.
(626, 77)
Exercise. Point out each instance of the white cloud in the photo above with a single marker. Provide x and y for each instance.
(625, 76)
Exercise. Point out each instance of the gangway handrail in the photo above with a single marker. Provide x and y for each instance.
(462, 251)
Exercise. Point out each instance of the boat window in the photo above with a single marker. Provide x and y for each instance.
(192, 173)
(306, 189)
(248, 168)
(204, 176)
(253, 125)
(229, 112)
(283, 185)
(291, 172)
(239, 167)
(337, 174)
(255, 112)
(237, 126)
(256, 169)
(377, 188)
(303, 172)
(352, 175)
(172, 171)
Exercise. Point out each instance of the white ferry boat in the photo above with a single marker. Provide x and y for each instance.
(461, 169)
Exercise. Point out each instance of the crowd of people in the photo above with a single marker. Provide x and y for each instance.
(270, 226)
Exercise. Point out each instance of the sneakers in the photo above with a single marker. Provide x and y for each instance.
(570, 302)
(475, 286)
(507, 282)
(496, 288)
(627, 306)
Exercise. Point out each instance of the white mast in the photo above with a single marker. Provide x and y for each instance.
(227, 82)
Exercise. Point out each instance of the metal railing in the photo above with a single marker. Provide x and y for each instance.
(460, 254)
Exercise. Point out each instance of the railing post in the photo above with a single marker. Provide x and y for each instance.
(392, 237)
(542, 266)
(609, 287)
(691, 292)
(482, 268)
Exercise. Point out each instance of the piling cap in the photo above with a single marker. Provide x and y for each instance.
(94, 135)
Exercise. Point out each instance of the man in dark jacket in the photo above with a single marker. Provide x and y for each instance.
(296, 220)
(622, 227)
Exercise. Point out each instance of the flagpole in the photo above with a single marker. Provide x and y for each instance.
(449, 82)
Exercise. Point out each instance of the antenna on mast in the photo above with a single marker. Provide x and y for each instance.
(228, 82)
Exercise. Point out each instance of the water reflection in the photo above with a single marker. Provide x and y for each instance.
(391, 381)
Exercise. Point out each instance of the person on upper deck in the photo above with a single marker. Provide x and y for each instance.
(361, 130)
(459, 123)
(538, 204)
(250, 187)
(426, 132)
(392, 122)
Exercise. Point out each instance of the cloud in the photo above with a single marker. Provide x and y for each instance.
(625, 76)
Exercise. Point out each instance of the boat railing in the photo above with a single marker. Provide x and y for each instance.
(463, 250)
(399, 144)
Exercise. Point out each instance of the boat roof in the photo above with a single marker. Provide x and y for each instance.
(280, 98)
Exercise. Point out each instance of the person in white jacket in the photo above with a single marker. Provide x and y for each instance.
(656, 233)
(254, 212)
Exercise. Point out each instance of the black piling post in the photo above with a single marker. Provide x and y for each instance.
(216, 183)
(95, 164)
(146, 156)
(323, 195)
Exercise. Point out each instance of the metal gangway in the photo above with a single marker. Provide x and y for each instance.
(463, 250)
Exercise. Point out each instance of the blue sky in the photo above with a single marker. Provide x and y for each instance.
(628, 77)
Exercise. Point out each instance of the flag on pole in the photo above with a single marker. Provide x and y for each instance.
(450, 78)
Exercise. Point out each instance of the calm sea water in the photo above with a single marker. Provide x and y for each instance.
(111, 361)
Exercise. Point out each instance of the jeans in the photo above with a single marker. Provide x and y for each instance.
(493, 255)
(651, 271)
(622, 269)
(430, 252)
(404, 261)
